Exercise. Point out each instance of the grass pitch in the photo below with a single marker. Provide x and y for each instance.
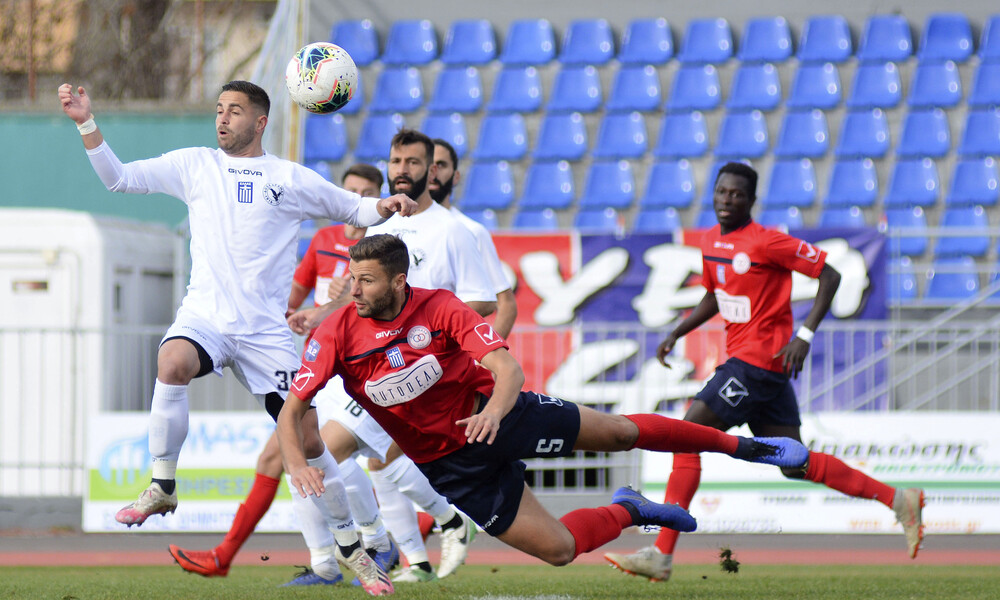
(477, 582)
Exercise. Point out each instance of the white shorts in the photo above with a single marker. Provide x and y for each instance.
(262, 362)
(334, 404)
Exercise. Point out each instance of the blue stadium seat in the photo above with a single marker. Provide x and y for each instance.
(670, 184)
(803, 134)
(376, 135)
(967, 243)
(706, 41)
(816, 85)
(951, 279)
(450, 128)
(902, 281)
(935, 84)
(548, 184)
(636, 87)
(398, 89)
(706, 218)
(529, 42)
(502, 137)
(646, 42)
(853, 182)
(864, 133)
(911, 220)
(488, 185)
(682, 135)
(621, 135)
(914, 182)
(986, 86)
(742, 134)
(410, 42)
(458, 89)
(765, 39)
(597, 220)
(925, 133)
(320, 166)
(786, 218)
(516, 89)
(469, 42)
(577, 88)
(487, 218)
(536, 220)
(657, 220)
(357, 101)
(885, 38)
(696, 87)
(825, 39)
(609, 183)
(946, 36)
(981, 135)
(989, 43)
(792, 183)
(875, 86)
(359, 38)
(561, 136)
(845, 216)
(325, 138)
(587, 42)
(975, 181)
(755, 86)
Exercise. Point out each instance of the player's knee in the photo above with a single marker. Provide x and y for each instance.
(173, 372)
(624, 433)
(375, 464)
(559, 557)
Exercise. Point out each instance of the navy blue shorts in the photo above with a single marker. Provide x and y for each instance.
(741, 393)
(486, 482)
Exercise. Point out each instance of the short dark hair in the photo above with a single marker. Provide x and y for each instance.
(389, 250)
(451, 151)
(405, 137)
(364, 171)
(743, 170)
(256, 94)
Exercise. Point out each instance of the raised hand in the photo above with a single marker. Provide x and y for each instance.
(76, 107)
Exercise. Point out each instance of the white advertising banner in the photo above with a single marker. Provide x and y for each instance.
(953, 456)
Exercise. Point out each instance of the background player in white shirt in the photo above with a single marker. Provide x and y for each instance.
(441, 186)
(244, 207)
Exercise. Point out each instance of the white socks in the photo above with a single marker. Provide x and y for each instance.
(168, 427)
(363, 505)
(333, 502)
(405, 474)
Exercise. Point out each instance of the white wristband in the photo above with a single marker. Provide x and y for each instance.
(87, 126)
(805, 334)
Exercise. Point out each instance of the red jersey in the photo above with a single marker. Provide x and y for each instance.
(750, 272)
(326, 258)
(415, 375)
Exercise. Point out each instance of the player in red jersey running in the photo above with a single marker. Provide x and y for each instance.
(441, 382)
(747, 272)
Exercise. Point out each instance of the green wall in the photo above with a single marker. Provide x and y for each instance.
(43, 163)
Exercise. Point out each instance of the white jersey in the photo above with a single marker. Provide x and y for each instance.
(443, 254)
(487, 250)
(244, 216)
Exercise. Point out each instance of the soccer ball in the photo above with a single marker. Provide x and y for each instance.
(321, 77)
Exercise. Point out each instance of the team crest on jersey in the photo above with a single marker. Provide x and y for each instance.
(244, 192)
(274, 193)
(808, 252)
(312, 350)
(417, 257)
(741, 263)
(733, 392)
(486, 333)
(302, 378)
(418, 337)
(395, 357)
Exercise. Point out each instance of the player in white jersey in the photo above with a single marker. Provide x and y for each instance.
(441, 186)
(244, 208)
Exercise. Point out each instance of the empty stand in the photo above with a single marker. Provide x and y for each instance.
(646, 42)
(902, 281)
(636, 87)
(844, 216)
(742, 134)
(816, 85)
(853, 183)
(577, 88)
(488, 185)
(501, 137)
(597, 220)
(925, 133)
(682, 134)
(548, 184)
(517, 88)
(986, 86)
(864, 133)
(935, 84)
(376, 136)
(487, 218)
(398, 89)
(876, 85)
(695, 87)
(974, 181)
(885, 38)
(410, 42)
(825, 39)
(706, 41)
(536, 220)
(587, 42)
(803, 135)
(325, 138)
(914, 182)
(912, 222)
(669, 184)
(621, 135)
(457, 89)
(469, 42)
(609, 184)
(449, 127)
(792, 183)
(359, 38)
(946, 36)
(951, 279)
(963, 220)
(981, 136)
(989, 42)
(529, 42)
(765, 39)
(657, 220)
(755, 86)
(561, 136)
(786, 218)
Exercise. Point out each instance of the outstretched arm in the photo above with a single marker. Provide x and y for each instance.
(306, 480)
(706, 309)
(797, 349)
(77, 107)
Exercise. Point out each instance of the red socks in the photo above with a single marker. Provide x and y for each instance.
(247, 516)
(594, 527)
(681, 487)
(664, 434)
(834, 474)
